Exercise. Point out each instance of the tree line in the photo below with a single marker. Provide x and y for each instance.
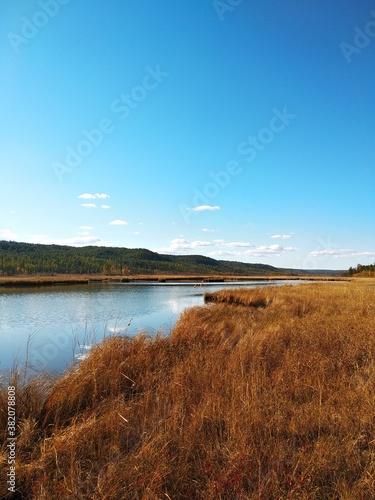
(368, 270)
(31, 259)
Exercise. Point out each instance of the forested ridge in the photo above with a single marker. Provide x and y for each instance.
(362, 270)
(30, 259)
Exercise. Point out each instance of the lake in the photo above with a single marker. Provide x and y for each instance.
(58, 324)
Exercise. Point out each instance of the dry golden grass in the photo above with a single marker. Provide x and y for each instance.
(266, 394)
(73, 279)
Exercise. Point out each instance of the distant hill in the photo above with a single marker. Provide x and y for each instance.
(30, 259)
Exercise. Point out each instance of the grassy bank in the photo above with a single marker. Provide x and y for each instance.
(76, 279)
(267, 393)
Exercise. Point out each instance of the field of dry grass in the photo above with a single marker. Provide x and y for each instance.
(75, 279)
(263, 394)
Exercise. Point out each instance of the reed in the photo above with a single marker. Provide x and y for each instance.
(265, 393)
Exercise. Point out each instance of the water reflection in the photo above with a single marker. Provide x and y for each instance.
(62, 323)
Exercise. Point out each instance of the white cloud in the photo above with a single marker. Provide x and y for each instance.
(282, 236)
(181, 245)
(89, 196)
(86, 228)
(200, 243)
(341, 252)
(222, 253)
(88, 205)
(136, 232)
(260, 251)
(81, 240)
(238, 244)
(206, 230)
(7, 234)
(205, 208)
(223, 248)
(233, 244)
(105, 206)
(118, 222)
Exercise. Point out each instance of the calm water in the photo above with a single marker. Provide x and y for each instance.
(58, 324)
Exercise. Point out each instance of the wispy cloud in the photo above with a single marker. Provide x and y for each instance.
(118, 222)
(88, 205)
(206, 230)
(7, 234)
(237, 244)
(205, 208)
(259, 251)
(105, 206)
(282, 236)
(78, 241)
(89, 196)
(181, 245)
(225, 248)
(341, 252)
(233, 244)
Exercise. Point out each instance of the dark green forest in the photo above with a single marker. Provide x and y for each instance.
(30, 259)
(37, 259)
(362, 270)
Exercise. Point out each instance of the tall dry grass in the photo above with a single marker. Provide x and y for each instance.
(266, 394)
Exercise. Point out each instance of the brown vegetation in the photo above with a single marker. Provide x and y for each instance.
(79, 279)
(266, 394)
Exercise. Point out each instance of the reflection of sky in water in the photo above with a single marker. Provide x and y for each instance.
(63, 322)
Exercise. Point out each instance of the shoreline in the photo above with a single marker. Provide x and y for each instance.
(37, 281)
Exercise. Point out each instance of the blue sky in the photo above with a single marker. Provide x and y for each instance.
(240, 130)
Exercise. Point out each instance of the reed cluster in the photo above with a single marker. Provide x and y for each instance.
(267, 393)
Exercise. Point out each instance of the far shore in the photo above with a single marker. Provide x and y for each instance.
(71, 279)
